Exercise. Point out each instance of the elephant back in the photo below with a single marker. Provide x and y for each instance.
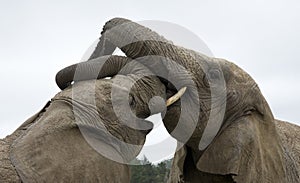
(8, 172)
(289, 135)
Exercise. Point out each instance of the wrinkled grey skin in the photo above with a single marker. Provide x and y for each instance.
(61, 143)
(250, 146)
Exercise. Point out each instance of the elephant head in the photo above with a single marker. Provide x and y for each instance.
(90, 130)
(226, 127)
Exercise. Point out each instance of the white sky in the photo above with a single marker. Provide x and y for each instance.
(38, 38)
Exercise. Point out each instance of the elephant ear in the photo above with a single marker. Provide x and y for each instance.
(53, 150)
(249, 149)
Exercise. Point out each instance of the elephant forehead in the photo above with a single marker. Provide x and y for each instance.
(99, 91)
(86, 91)
(233, 73)
(122, 82)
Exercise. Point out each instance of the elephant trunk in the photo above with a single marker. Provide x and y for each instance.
(133, 39)
(104, 47)
(146, 46)
(139, 43)
(101, 67)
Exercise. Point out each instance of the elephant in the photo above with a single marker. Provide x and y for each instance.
(224, 127)
(82, 134)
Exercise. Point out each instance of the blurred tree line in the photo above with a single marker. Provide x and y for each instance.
(145, 172)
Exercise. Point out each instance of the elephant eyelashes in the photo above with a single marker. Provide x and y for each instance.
(205, 80)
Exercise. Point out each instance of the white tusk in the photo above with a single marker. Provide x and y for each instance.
(175, 97)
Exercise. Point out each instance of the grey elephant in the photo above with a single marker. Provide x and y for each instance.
(82, 135)
(225, 129)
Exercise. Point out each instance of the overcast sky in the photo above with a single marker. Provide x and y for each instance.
(38, 38)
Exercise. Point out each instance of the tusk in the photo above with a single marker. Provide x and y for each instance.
(175, 97)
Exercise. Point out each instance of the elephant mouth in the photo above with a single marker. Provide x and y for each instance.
(145, 126)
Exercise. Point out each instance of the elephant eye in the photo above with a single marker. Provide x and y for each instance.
(214, 74)
(211, 77)
(132, 101)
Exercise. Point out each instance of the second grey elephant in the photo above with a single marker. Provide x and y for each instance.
(230, 134)
(81, 135)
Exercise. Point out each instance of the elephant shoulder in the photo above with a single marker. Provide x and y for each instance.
(55, 150)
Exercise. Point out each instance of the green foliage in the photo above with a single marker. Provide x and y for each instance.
(145, 172)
